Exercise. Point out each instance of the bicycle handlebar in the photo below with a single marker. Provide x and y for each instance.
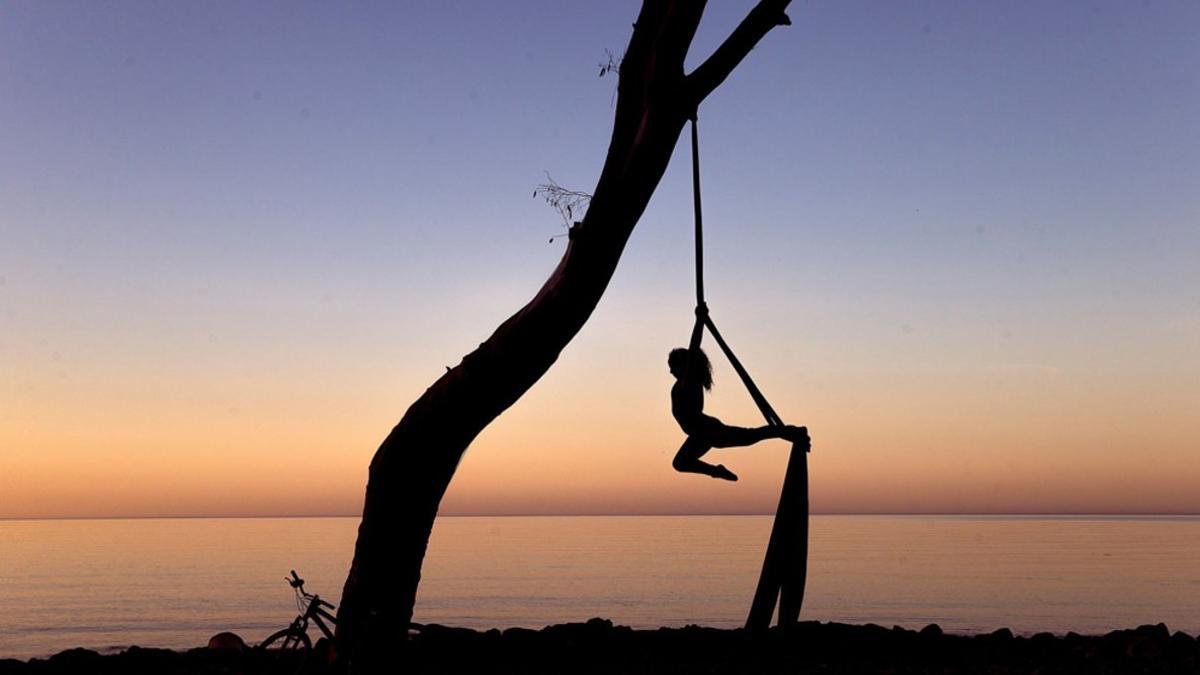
(297, 583)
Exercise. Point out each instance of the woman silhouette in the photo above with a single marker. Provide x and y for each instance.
(693, 375)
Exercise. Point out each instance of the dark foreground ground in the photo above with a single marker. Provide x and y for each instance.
(599, 647)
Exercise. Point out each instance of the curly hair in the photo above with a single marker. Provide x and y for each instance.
(695, 363)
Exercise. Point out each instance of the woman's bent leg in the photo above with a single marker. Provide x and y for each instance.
(687, 460)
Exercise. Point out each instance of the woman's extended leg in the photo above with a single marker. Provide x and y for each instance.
(687, 460)
(724, 436)
(721, 435)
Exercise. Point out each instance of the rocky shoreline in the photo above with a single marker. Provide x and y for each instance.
(598, 646)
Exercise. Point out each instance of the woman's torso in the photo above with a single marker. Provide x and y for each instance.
(687, 406)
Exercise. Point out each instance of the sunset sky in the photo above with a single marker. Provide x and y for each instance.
(959, 241)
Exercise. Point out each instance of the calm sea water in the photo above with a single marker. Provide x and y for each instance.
(104, 584)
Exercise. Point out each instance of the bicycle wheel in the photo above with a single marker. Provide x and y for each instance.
(286, 651)
(288, 639)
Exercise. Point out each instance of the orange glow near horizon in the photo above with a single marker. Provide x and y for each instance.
(988, 441)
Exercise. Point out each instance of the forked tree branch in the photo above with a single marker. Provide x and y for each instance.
(766, 15)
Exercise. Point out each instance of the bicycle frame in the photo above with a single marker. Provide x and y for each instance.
(316, 612)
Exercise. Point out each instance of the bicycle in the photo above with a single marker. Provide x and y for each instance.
(312, 608)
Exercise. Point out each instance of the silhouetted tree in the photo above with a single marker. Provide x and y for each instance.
(414, 465)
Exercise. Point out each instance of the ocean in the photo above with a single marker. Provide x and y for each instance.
(107, 584)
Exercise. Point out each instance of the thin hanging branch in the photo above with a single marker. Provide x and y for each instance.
(611, 64)
(571, 205)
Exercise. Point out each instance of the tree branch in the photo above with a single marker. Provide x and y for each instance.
(766, 15)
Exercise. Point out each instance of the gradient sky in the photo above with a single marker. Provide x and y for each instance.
(959, 241)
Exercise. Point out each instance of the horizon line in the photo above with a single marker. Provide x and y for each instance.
(976, 514)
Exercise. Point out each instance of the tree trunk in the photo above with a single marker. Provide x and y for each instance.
(414, 465)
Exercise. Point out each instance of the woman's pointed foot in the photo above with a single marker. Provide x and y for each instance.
(723, 473)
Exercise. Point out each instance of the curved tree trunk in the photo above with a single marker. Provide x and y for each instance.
(414, 465)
